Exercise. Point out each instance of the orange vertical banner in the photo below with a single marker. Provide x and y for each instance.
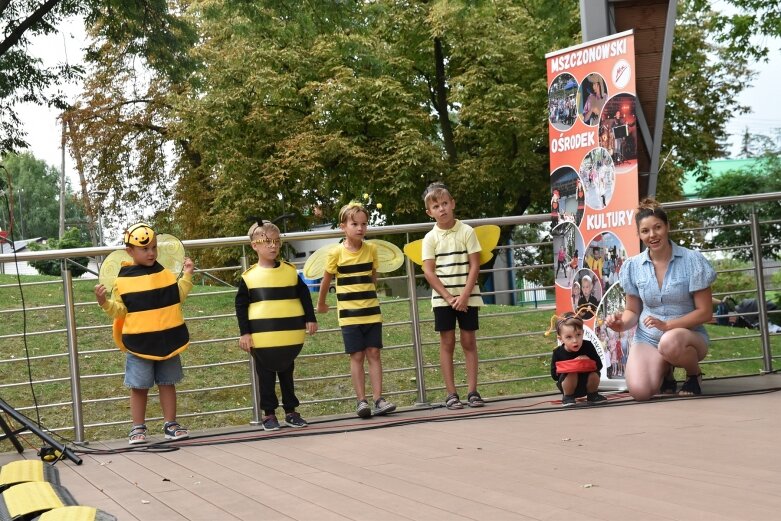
(593, 133)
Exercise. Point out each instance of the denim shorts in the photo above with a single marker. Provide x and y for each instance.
(142, 373)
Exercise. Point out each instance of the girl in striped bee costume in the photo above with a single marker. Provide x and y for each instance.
(147, 302)
(354, 265)
(275, 311)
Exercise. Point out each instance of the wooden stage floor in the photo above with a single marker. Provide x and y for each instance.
(714, 457)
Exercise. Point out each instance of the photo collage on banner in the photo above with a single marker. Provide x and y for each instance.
(593, 137)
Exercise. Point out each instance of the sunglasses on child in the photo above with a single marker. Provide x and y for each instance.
(268, 242)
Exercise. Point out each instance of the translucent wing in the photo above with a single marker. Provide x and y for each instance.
(414, 250)
(315, 264)
(487, 236)
(389, 255)
(170, 253)
(110, 268)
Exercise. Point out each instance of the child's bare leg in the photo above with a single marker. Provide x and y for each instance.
(356, 372)
(569, 384)
(447, 344)
(375, 371)
(592, 385)
(168, 401)
(469, 345)
(138, 398)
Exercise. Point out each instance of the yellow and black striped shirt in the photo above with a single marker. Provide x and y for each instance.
(356, 293)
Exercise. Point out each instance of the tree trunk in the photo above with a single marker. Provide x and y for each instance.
(90, 211)
(441, 104)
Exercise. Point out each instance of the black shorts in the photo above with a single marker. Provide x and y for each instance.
(581, 389)
(445, 318)
(360, 336)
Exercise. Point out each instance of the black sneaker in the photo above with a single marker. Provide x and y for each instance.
(595, 398)
(363, 410)
(270, 423)
(381, 406)
(293, 419)
(568, 400)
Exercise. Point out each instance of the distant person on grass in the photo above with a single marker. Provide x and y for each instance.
(147, 300)
(451, 263)
(275, 312)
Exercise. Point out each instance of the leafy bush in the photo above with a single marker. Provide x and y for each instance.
(73, 238)
(732, 281)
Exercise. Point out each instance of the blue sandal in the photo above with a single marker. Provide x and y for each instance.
(137, 435)
(174, 431)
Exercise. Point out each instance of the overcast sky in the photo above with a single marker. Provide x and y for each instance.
(44, 133)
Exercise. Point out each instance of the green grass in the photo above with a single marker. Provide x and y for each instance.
(322, 371)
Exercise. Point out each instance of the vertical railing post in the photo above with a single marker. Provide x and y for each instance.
(759, 274)
(73, 352)
(253, 374)
(417, 347)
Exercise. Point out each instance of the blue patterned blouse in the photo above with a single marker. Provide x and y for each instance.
(688, 272)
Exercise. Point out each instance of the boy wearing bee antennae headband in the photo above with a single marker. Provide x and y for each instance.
(147, 301)
(275, 311)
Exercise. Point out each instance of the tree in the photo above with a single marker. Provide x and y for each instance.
(283, 107)
(23, 78)
(147, 26)
(73, 238)
(763, 176)
(35, 198)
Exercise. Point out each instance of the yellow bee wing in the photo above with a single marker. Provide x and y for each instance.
(170, 253)
(110, 268)
(414, 250)
(314, 267)
(389, 255)
(487, 236)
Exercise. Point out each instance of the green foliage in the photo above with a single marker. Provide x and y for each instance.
(705, 79)
(73, 238)
(734, 275)
(764, 176)
(35, 190)
(23, 77)
(301, 108)
(532, 257)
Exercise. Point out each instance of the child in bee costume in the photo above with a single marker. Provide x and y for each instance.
(146, 305)
(274, 310)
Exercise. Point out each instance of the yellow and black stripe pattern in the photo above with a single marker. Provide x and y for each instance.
(356, 293)
(276, 315)
(154, 326)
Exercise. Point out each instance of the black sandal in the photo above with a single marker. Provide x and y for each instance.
(452, 402)
(669, 385)
(691, 387)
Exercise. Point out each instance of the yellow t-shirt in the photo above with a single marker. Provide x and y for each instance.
(356, 293)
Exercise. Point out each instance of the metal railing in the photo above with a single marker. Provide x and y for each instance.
(412, 343)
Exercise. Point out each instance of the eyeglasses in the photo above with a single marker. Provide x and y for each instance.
(268, 242)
